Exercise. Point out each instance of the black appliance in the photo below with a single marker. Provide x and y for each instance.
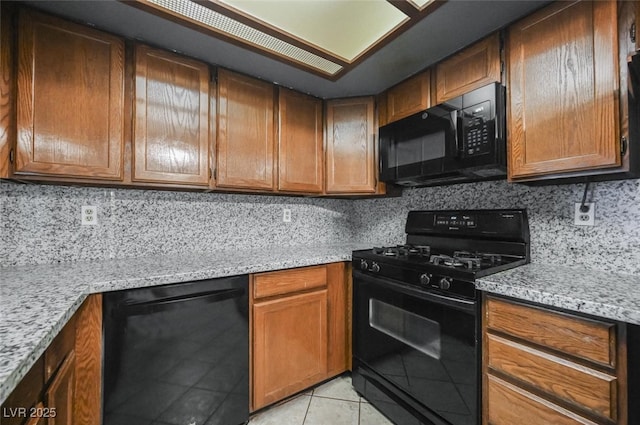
(460, 140)
(416, 327)
(177, 354)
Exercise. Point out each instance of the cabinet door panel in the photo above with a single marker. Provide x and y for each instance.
(409, 97)
(351, 150)
(171, 142)
(70, 99)
(472, 68)
(245, 132)
(563, 85)
(300, 142)
(60, 395)
(290, 345)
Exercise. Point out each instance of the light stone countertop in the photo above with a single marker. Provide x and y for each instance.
(37, 301)
(600, 293)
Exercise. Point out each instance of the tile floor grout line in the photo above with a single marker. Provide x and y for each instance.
(306, 412)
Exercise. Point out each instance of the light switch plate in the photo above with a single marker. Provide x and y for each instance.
(587, 218)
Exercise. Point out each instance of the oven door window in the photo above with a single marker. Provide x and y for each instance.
(425, 348)
(416, 331)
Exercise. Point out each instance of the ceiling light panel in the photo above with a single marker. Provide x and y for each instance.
(230, 27)
(421, 4)
(342, 28)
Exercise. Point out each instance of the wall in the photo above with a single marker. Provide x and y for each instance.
(612, 244)
(41, 224)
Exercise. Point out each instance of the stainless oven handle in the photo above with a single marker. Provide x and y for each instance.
(457, 303)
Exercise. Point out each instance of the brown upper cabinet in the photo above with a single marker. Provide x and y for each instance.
(245, 157)
(351, 146)
(410, 96)
(469, 69)
(300, 153)
(70, 100)
(7, 118)
(564, 84)
(171, 131)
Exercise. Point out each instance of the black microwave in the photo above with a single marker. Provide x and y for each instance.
(460, 140)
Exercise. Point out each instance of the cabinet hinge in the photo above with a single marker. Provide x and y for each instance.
(12, 155)
(623, 145)
(632, 32)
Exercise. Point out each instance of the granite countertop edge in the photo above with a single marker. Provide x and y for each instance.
(570, 288)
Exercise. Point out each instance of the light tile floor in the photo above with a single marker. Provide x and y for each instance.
(333, 403)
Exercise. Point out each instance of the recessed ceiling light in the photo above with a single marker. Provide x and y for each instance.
(230, 27)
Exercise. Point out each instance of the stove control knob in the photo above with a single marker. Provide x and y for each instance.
(425, 279)
(375, 267)
(364, 265)
(445, 283)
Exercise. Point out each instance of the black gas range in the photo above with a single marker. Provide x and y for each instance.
(416, 327)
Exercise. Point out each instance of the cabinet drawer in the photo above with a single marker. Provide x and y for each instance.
(580, 337)
(287, 281)
(576, 384)
(61, 346)
(508, 405)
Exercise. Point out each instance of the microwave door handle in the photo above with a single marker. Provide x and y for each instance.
(459, 133)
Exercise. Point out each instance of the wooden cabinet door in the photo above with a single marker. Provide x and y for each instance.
(245, 132)
(351, 146)
(70, 99)
(472, 68)
(563, 88)
(171, 141)
(60, 395)
(410, 96)
(300, 151)
(289, 345)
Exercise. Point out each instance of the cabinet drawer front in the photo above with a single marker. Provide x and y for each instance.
(287, 281)
(576, 384)
(508, 405)
(580, 337)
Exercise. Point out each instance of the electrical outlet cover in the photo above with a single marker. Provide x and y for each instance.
(89, 215)
(584, 218)
(286, 215)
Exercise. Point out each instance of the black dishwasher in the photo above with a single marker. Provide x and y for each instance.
(177, 354)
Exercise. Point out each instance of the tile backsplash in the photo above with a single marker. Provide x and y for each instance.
(41, 223)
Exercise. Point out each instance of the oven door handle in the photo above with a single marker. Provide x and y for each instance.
(468, 306)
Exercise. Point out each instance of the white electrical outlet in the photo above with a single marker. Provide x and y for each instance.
(286, 215)
(89, 215)
(586, 218)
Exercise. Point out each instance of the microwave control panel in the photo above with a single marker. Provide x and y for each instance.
(477, 130)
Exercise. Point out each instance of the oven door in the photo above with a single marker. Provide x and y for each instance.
(416, 344)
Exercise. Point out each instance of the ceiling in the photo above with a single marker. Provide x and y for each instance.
(447, 29)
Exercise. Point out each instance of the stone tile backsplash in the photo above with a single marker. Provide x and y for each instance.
(41, 223)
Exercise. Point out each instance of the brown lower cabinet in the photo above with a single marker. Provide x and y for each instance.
(64, 385)
(542, 366)
(299, 330)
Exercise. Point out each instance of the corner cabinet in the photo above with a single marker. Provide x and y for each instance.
(64, 387)
(171, 130)
(299, 330)
(351, 151)
(563, 90)
(300, 149)
(70, 100)
(245, 133)
(542, 366)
